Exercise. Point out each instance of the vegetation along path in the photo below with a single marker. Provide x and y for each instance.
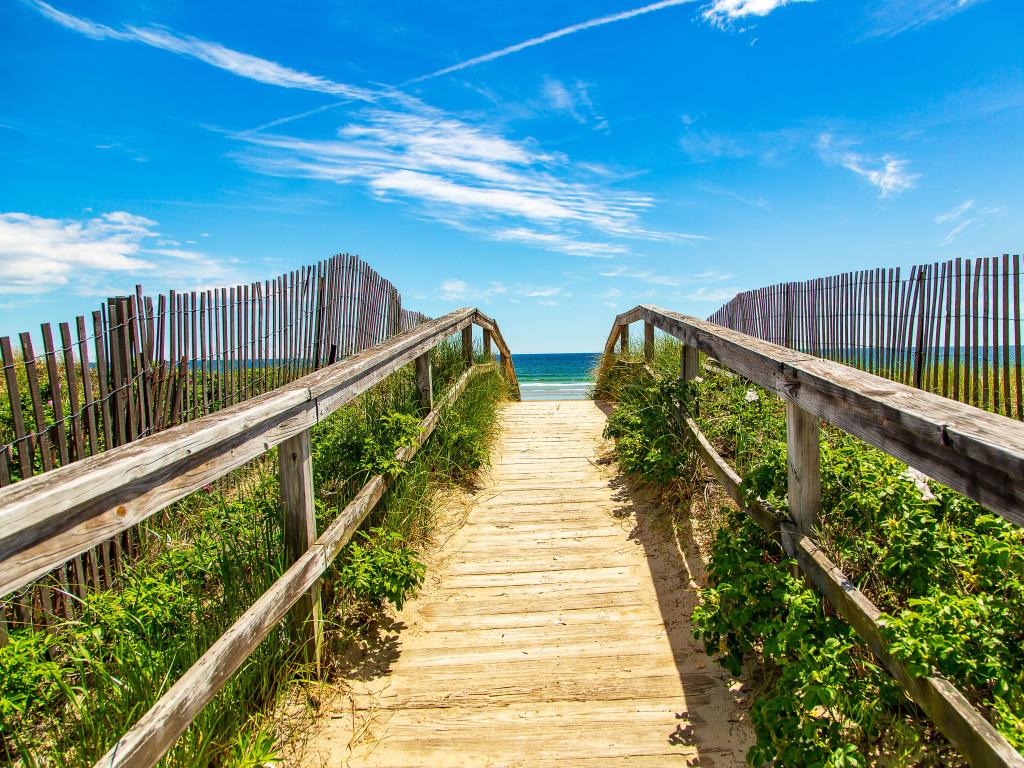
(557, 633)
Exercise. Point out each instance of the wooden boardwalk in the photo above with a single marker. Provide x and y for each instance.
(557, 631)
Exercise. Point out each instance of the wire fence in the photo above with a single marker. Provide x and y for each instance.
(953, 328)
(140, 364)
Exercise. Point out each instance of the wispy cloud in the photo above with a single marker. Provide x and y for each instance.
(554, 241)
(768, 147)
(711, 295)
(718, 12)
(238, 63)
(547, 38)
(722, 12)
(964, 216)
(656, 278)
(955, 213)
(889, 174)
(456, 289)
(39, 254)
(574, 100)
(467, 177)
(450, 171)
(892, 17)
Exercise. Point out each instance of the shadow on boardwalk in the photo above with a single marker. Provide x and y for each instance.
(554, 629)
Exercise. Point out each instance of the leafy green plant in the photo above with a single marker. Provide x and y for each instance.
(381, 567)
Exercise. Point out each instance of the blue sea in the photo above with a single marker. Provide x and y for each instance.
(562, 376)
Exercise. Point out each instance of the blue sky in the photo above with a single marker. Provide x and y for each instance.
(551, 164)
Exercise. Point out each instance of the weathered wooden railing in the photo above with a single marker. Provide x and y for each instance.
(47, 519)
(970, 450)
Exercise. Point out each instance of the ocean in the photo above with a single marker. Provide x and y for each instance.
(562, 376)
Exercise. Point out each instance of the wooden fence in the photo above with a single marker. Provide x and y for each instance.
(141, 364)
(953, 328)
(49, 519)
(975, 452)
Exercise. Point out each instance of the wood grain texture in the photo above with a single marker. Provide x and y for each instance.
(47, 519)
(556, 634)
(295, 470)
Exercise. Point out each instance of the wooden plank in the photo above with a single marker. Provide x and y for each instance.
(948, 272)
(986, 312)
(204, 371)
(648, 342)
(56, 395)
(35, 396)
(1005, 367)
(467, 345)
(803, 462)
(92, 409)
(959, 325)
(977, 453)
(424, 382)
(295, 471)
(1016, 336)
(124, 334)
(976, 353)
(26, 457)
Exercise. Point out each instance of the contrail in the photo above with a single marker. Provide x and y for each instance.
(565, 31)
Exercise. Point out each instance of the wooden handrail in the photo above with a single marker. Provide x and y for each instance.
(977, 453)
(147, 741)
(49, 518)
(812, 388)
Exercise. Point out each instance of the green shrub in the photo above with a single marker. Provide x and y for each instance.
(379, 566)
(947, 574)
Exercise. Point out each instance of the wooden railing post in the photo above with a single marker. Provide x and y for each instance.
(295, 465)
(804, 466)
(624, 339)
(648, 342)
(689, 359)
(467, 344)
(425, 382)
(487, 344)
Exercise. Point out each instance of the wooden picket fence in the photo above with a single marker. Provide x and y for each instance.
(953, 328)
(140, 364)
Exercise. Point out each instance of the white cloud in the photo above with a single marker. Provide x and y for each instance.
(644, 275)
(39, 254)
(955, 213)
(466, 177)
(721, 12)
(572, 99)
(960, 219)
(892, 17)
(553, 241)
(890, 175)
(238, 63)
(711, 295)
(455, 289)
(451, 171)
